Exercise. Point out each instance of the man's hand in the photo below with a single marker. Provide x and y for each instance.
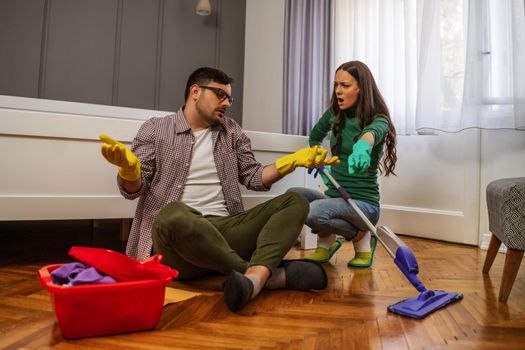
(118, 154)
(305, 157)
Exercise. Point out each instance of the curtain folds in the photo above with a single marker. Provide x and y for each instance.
(471, 71)
(307, 68)
(445, 65)
(382, 34)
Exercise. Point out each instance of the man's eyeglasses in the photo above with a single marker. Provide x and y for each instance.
(220, 93)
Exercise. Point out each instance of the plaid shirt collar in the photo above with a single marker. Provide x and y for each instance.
(182, 125)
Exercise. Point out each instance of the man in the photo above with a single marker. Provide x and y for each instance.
(186, 169)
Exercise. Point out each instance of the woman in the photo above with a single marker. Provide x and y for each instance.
(361, 131)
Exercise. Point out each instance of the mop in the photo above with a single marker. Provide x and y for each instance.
(428, 300)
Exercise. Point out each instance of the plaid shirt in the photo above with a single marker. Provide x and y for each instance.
(164, 146)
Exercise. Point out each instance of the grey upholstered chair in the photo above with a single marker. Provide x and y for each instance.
(506, 205)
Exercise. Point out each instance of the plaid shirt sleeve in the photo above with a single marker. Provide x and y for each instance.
(250, 170)
(144, 148)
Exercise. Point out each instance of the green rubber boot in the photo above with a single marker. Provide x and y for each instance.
(323, 255)
(364, 259)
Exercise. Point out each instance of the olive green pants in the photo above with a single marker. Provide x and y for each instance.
(197, 245)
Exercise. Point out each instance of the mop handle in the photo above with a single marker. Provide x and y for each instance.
(363, 217)
(347, 198)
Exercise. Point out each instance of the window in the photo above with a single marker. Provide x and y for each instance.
(496, 52)
(440, 64)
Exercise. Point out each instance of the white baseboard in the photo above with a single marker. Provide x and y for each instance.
(485, 240)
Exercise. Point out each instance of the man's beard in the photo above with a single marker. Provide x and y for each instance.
(207, 117)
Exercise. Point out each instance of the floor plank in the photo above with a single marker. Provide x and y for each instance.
(350, 314)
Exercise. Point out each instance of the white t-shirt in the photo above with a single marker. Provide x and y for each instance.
(203, 190)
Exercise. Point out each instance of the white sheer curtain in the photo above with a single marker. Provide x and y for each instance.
(471, 66)
(440, 64)
(382, 34)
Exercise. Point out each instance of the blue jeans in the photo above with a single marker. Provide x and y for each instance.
(335, 215)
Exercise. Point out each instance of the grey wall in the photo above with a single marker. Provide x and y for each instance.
(263, 66)
(132, 53)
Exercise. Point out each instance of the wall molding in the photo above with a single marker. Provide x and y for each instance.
(43, 48)
(158, 53)
(116, 58)
(76, 108)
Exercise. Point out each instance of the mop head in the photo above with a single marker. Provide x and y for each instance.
(425, 303)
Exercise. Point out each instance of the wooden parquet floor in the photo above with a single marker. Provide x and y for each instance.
(350, 314)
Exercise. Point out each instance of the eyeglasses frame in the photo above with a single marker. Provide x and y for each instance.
(217, 91)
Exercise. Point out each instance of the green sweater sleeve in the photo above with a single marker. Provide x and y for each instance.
(321, 129)
(378, 127)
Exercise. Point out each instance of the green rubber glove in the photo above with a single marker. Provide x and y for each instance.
(118, 154)
(305, 157)
(359, 160)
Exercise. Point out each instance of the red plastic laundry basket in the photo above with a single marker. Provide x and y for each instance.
(101, 309)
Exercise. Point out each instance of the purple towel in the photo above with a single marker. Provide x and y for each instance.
(76, 273)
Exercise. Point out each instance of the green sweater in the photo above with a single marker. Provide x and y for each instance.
(363, 187)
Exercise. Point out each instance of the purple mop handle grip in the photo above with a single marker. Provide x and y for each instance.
(344, 194)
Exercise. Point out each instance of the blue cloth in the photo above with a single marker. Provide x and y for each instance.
(76, 273)
(335, 215)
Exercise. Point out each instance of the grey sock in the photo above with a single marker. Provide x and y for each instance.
(277, 280)
(256, 285)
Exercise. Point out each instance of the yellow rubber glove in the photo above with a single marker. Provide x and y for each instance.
(305, 157)
(321, 157)
(118, 154)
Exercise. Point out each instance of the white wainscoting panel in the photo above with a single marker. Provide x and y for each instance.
(436, 192)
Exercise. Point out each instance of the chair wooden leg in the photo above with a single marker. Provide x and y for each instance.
(494, 245)
(510, 270)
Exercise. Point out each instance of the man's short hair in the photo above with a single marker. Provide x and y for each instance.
(203, 75)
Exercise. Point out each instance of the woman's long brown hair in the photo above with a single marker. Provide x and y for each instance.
(370, 105)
